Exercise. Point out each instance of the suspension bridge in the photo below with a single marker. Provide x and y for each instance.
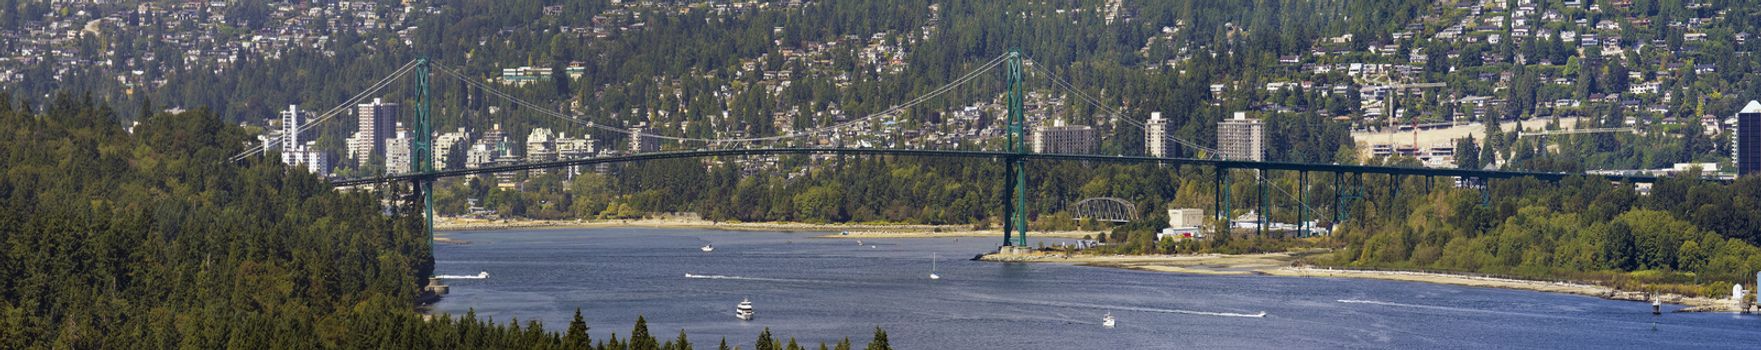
(1349, 181)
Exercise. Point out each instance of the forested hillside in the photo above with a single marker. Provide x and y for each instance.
(150, 239)
(1684, 235)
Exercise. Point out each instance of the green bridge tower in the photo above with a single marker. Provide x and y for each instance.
(422, 154)
(1014, 173)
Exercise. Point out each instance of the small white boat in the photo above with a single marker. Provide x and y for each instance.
(707, 248)
(932, 268)
(1107, 321)
(858, 242)
(744, 310)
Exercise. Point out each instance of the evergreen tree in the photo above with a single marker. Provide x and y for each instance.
(1467, 153)
(681, 343)
(880, 340)
(577, 336)
(764, 341)
(639, 337)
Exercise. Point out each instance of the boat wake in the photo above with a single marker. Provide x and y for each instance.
(1415, 306)
(478, 276)
(1448, 308)
(1261, 314)
(742, 278)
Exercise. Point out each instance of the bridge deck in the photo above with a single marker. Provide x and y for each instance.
(1226, 164)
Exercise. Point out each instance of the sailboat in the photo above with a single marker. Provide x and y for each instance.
(932, 268)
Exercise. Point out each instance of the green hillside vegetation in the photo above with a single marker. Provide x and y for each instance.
(1686, 236)
(152, 240)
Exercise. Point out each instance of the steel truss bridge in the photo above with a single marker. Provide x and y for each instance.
(1107, 209)
(1349, 180)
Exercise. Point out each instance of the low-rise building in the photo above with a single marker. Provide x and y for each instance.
(1183, 224)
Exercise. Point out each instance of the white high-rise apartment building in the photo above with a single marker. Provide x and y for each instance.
(1241, 138)
(1155, 137)
(297, 154)
(375, 125)
(290, 129)
(398, 157)
(444, 146)
(1064, 139)
(540, 147)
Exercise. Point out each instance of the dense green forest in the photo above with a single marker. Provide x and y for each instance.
(1682, 235)
(150, 239)
(1685, 235)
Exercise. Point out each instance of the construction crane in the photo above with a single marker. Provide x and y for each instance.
(1394, 95)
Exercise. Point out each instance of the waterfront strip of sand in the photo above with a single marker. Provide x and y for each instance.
(856, 231)
(1284, 264)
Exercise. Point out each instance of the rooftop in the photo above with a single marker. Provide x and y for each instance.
(1754, 107)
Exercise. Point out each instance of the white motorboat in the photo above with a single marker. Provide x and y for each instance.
(707, 248)
(744, 310)
(1108, 320)
(932, 268)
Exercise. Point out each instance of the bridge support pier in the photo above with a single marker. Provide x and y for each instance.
(1224, 221)
(1302, 195)
(1265, 216)
(1486, 192)
(1008, 203)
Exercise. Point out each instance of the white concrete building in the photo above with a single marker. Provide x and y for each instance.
(540, 147)
(297, 154)
(1064, 139)
(1242, 138)
(374, 126)
(398, 159)
(1155, 137)
(642, 142)
(1183, 224)
(445, 144)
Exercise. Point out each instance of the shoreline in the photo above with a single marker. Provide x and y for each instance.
(1281, 265)
(855, 231)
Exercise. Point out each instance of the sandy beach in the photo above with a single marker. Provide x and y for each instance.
(853, 231)
(1283, 264)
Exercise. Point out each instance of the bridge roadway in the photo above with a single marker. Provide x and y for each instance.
(1224, 164)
